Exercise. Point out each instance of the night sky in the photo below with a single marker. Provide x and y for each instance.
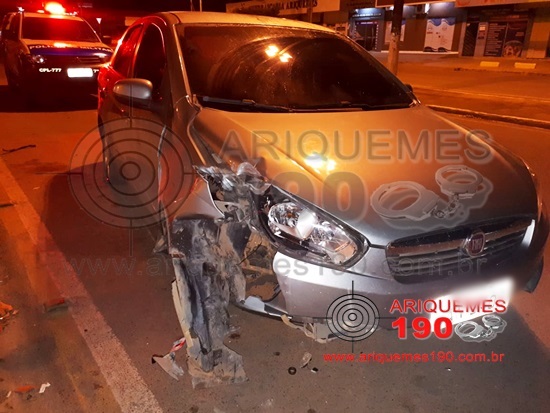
(160, 5)
(146, 5)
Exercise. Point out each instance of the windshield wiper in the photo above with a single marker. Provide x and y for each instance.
(345, 105)
(382, 106)
(245, 103)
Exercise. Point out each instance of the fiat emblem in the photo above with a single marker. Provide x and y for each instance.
(475, 243)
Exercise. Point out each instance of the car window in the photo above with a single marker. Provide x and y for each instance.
(151, 58)
(12, 29)
(288, 67)
(5, 22)
(38, 28)
(122, 61)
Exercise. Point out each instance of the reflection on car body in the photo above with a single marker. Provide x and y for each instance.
(288, 130)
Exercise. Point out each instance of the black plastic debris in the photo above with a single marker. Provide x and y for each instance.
(6, 151)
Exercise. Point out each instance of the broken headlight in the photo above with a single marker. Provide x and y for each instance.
(303, 231)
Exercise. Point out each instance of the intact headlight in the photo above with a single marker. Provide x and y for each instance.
(302, 230)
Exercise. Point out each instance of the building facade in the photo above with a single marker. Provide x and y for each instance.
(471, 28)
(506, 28)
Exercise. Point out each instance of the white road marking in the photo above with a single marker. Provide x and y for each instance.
(127, 386)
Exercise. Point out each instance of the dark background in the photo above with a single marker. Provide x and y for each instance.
(145, 5)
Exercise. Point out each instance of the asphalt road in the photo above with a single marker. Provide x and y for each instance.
(96, 354)
(513, 94)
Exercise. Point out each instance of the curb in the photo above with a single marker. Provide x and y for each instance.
(491, 116)
(482, 96)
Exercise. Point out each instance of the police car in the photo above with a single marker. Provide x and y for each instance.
(50, 50)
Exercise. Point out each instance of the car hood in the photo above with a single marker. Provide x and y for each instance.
(369, 168)
(51, 47)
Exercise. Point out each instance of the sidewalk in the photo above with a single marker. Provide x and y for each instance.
(488, 64)
(461, 84)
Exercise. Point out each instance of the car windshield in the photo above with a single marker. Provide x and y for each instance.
(38, 28)
(248, 67)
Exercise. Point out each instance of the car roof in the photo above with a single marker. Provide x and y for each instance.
(52, 16)
(235, 18)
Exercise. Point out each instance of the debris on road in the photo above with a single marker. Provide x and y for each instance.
(292, 371)
(169, 365)
(43, 387)
(6, 151)
(177, 345)
(24, 389)
(306, 359)
(315, 370)
(55, 304)
(161, 246)
(5, 309)
(168, 361)
(316, 331)
(268, 404)
(6, 312)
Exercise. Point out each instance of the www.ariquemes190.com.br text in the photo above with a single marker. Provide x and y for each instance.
(431, 357)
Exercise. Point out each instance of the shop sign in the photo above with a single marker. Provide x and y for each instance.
(356, 4)
(474, 3)
(389, 3)
(439, 34)
(284, 7)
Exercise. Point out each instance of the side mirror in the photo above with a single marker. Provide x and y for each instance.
(409, 86)
(137, 92)
(108, 40)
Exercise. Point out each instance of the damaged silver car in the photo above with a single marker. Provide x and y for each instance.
(294, 176)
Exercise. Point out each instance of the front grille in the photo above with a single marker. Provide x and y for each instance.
(72, 60)
(442, 254)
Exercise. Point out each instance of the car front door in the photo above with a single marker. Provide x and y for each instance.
(132, 131)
